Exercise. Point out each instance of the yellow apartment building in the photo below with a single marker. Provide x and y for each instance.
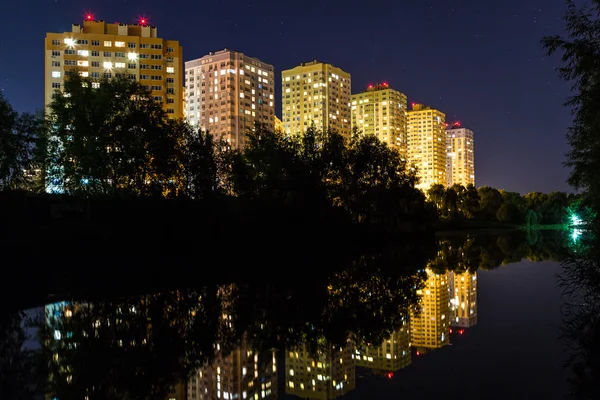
(460, 166)
(227, 92)
(427, 145)
(430, 327)
(319, 93)
(106, 50)
(381, 111)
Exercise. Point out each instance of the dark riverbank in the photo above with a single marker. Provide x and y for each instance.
(58, 244)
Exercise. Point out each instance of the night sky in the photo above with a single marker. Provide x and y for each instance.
(480, 62)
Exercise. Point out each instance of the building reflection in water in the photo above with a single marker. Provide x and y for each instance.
(463, 299)
(243, 372)
(447, 300)
(240, 374)
(327, 375)
(430, 324)
(391, 355)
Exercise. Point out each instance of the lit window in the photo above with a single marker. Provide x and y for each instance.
(56, 74)
(120, 65)
(170, 70)
(107, 43)
(119, 44)
(81, 63)
(69, 41)
(83, 53)
(132, 56)
(107, 64)
(84, 74)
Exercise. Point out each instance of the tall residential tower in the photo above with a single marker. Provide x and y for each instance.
(315, 92)
(430, 328)
(381, 111)
(103, 50)
(427, 145)
(460, 167)
(227, 92)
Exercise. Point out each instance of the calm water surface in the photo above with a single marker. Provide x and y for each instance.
(513, 351)
(472, 319)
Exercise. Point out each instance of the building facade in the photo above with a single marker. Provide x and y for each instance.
(318, 93)
(430, 328)
(327, 375)
(427, 145)
(228, 92)
(463, 299)
(98, 49)
(240, 374)
(382, 112)
(391, 355)
(460, 166)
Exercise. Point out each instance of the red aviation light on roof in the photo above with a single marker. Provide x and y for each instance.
(143, 21)
(89, 17)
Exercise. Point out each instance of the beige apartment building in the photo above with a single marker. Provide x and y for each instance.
(460, 168)
(98, 49)
(241, 373)
(427, 145)
(463, 299)
(391, 355)
(319, 93)
(381, 111)
(327, 375)
(227, 92)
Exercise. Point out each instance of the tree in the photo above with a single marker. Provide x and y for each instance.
(437, 194)
(581, 66)
(19, 378)
(18, 137)
(110, 137)
(202, 165)
(468, 201)
(489, 203)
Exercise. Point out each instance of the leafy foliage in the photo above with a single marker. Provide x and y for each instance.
(109, 137)
(581, 66)
(19, 135)
(489, 204)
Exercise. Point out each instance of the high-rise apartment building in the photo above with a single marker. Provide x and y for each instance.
(318, 93)
(427, 145)
(241, 373)
(430, 328)
(327, 375)
(382, 112)
(463, 299)
(227, 92)
(391, 355)
(460, 166)
(98, 49)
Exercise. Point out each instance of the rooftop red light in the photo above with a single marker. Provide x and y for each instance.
(89, 17)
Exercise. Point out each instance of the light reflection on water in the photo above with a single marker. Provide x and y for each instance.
(475, 313)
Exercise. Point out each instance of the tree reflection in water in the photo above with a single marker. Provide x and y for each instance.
(221, 341)
(580, 281)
